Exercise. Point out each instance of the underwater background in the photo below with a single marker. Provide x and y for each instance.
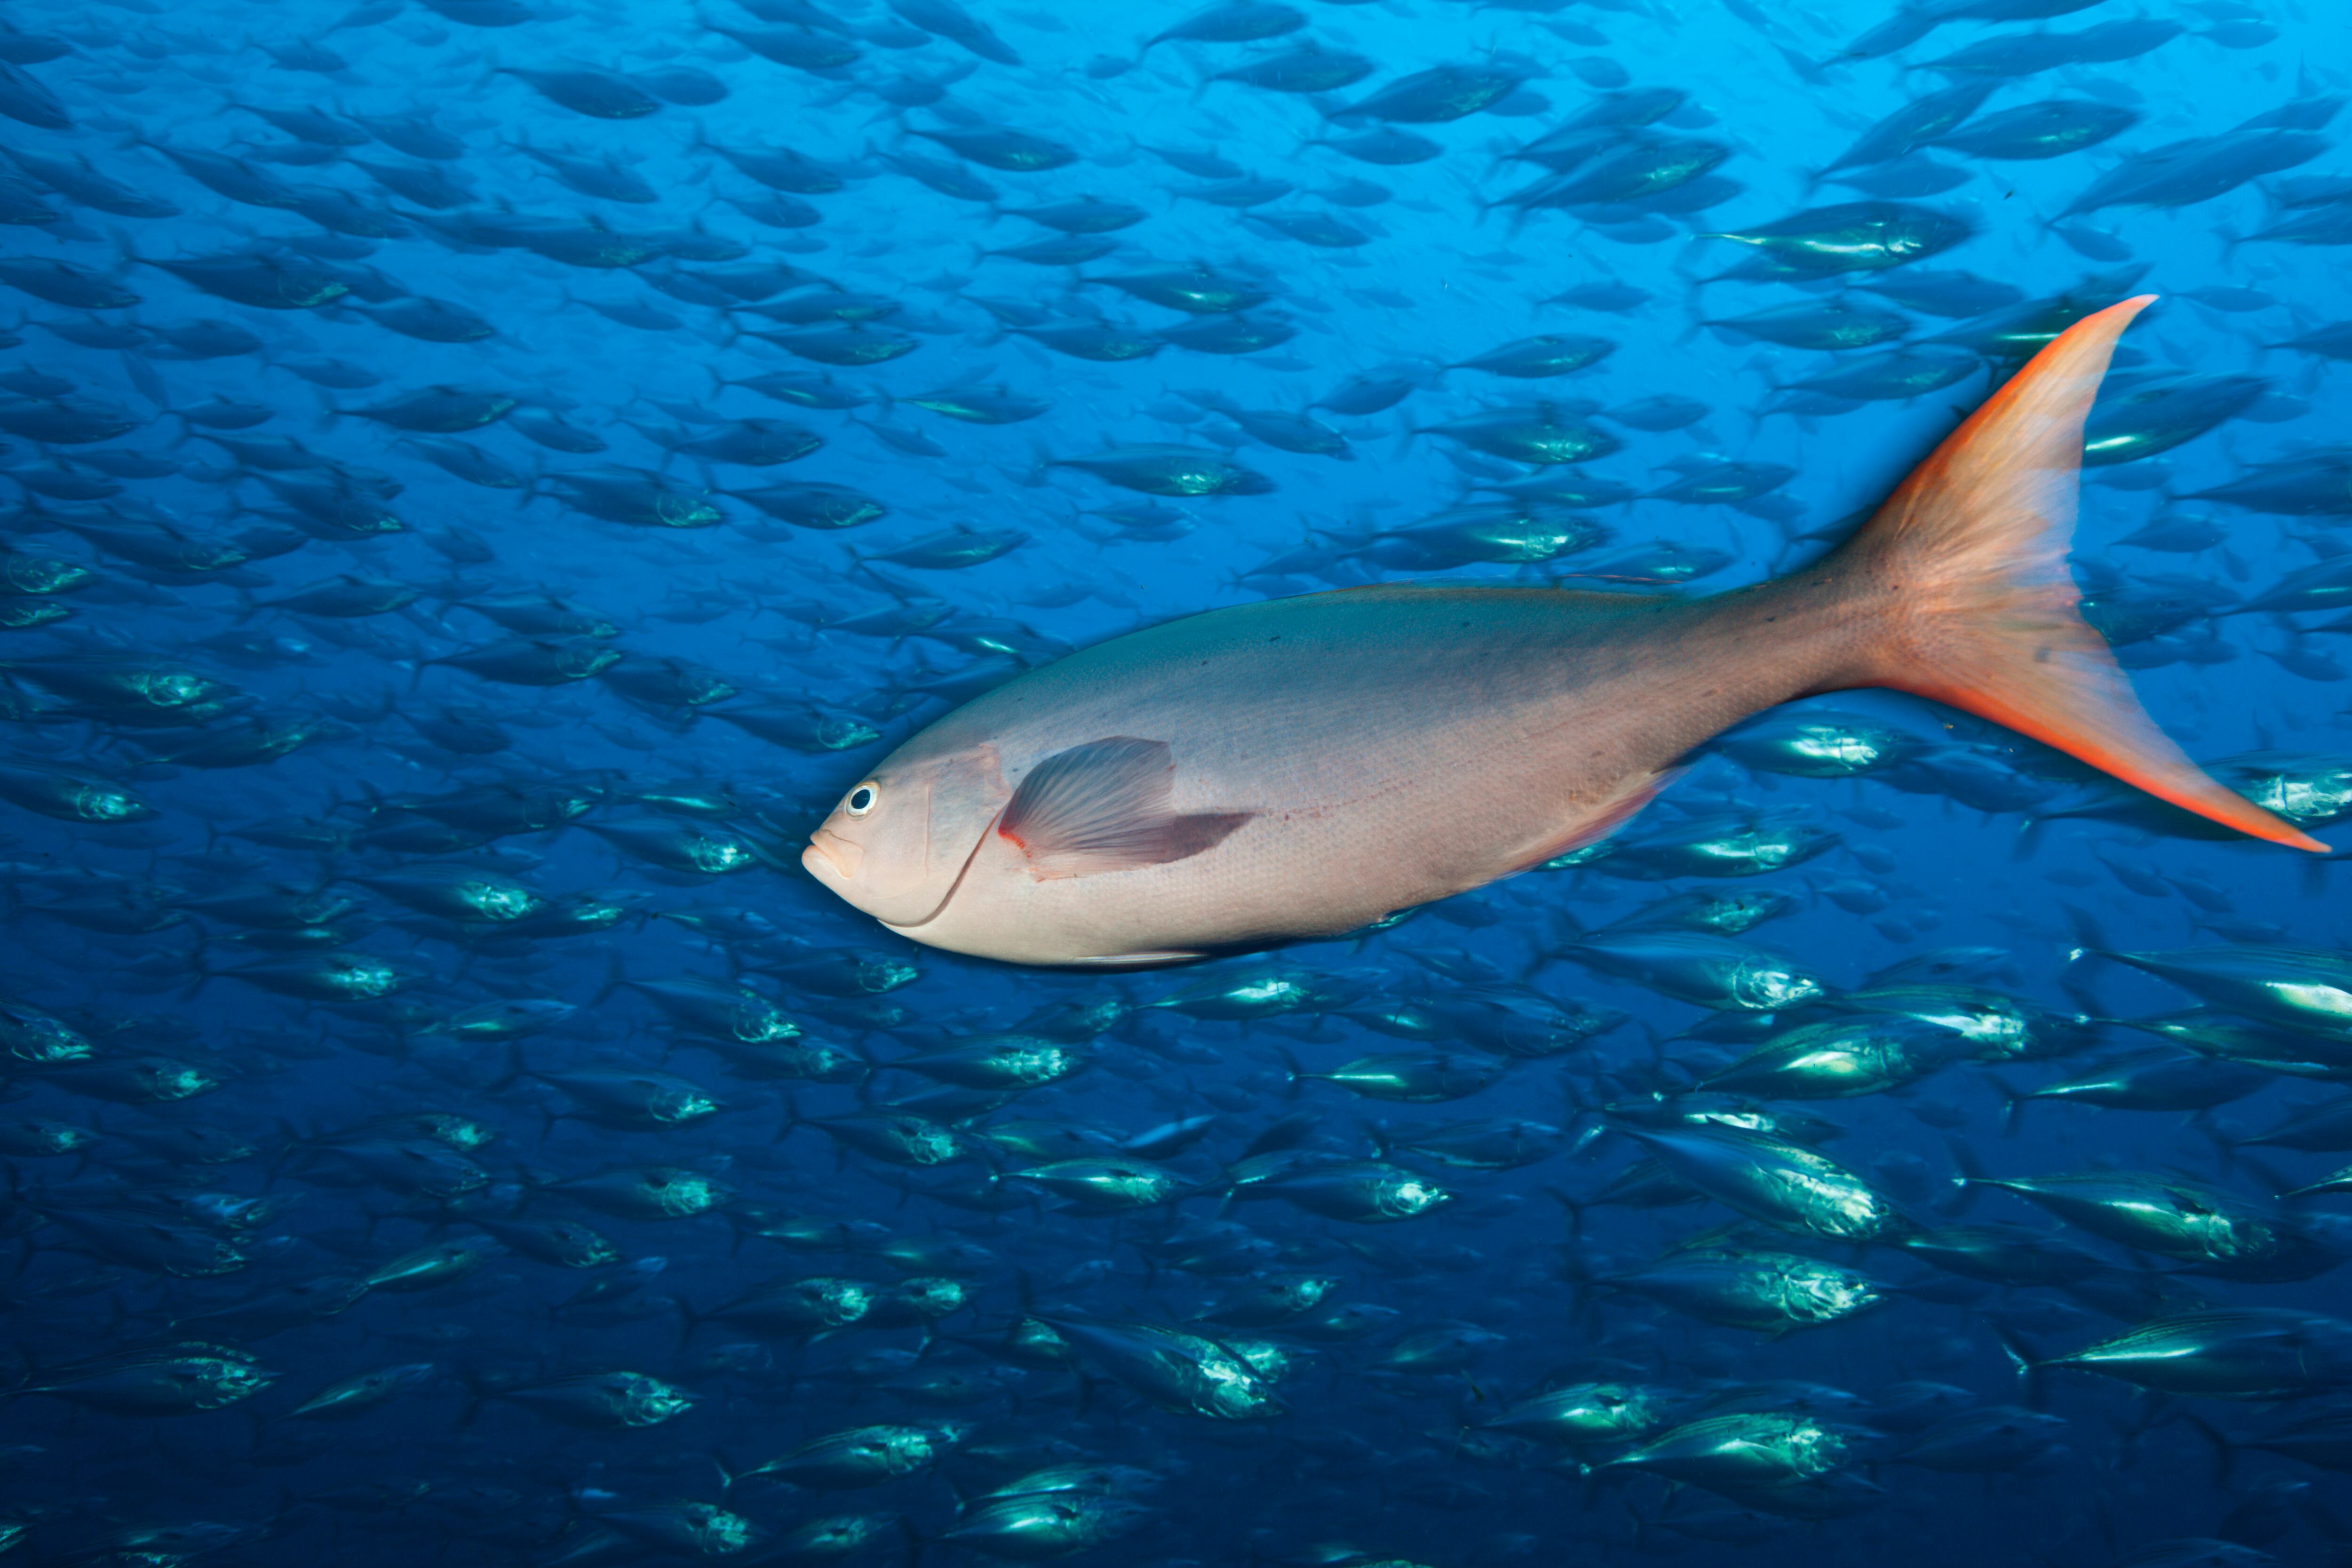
(487, 475)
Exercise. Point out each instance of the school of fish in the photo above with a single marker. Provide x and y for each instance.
(1291, 783)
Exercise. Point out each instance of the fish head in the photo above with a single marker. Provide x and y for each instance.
(899, 841)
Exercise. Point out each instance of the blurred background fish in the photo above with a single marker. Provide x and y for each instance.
(486, 478)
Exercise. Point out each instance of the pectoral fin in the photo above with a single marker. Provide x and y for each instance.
(1104, 807)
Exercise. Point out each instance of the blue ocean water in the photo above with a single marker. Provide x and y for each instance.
(490, 476)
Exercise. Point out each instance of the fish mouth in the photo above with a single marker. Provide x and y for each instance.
(834, 852)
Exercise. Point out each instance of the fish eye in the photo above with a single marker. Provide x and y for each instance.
(863, 798)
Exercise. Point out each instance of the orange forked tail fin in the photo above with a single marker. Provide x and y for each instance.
(1966, 565)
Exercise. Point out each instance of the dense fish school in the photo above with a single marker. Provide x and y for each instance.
(489, 481)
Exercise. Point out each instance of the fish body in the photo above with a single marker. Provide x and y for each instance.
(1778, 1182)
(1305, 767)
(1767, 1292)
(2246, 1352)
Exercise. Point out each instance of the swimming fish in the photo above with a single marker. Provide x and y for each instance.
(1303, 767)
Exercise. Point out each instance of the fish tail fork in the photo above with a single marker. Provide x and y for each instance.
(1968, 600)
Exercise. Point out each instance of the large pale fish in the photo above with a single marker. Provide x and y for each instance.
(1302, 767)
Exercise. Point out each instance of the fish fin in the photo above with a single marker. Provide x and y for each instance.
(2014, 1103)
(1968, 1171)
(2032, 1386)
(1103, 807)
(1971, 554)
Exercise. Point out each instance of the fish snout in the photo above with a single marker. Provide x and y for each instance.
(829, 851)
